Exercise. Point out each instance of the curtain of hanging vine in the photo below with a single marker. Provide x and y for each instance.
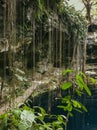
(37, 38)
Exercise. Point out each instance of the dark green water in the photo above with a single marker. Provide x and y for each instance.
(80, 121)
(86, 121)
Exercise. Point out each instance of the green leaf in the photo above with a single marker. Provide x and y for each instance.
(87, 89)
(23, 125)
(93, 80)
(67, 71)
(76, 104)
(3, 116)
(66, 85)
(68, 107)
(61, 107)
(16, 112)
(66, 99)
(79, 93)
(60, 118)
(82, 84)
(79, 81)
(82, 74)
(56, 123)
(78, 110)
(84, 108)
(43, 112)
(14, 121)
(3, 121)
(79, 77)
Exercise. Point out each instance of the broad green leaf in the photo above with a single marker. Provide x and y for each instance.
(14, 120)
(63, 107)
(56, 123)
(93, 80)
(78, 77)
(66, 99)
(80, 84)
(69, 107)
(43, 112)
(66, 85)
(82, 74)
(78, 110)
(79, 93)
(79, 106)
(3, 120)
(76, 104)
(60, 118)
(67, 71)
(84, 108)
(79, 81)
(64, 117)
(3, 116)
(87, 89)
(23, 125)
(16, 112)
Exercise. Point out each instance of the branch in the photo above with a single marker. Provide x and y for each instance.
(94, 3)
(84, 2)
(87, 3)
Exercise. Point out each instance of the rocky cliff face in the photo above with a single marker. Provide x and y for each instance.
(92, 44)
(91, 57)
(31, 32)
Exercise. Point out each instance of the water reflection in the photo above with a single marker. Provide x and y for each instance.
(86, 121)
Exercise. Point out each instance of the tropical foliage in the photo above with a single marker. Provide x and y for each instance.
(37, 119)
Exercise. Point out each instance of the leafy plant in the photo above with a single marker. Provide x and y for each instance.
(76, 87)
(26, 118)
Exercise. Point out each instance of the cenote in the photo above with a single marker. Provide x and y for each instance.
(79, 121)
(48, 55)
